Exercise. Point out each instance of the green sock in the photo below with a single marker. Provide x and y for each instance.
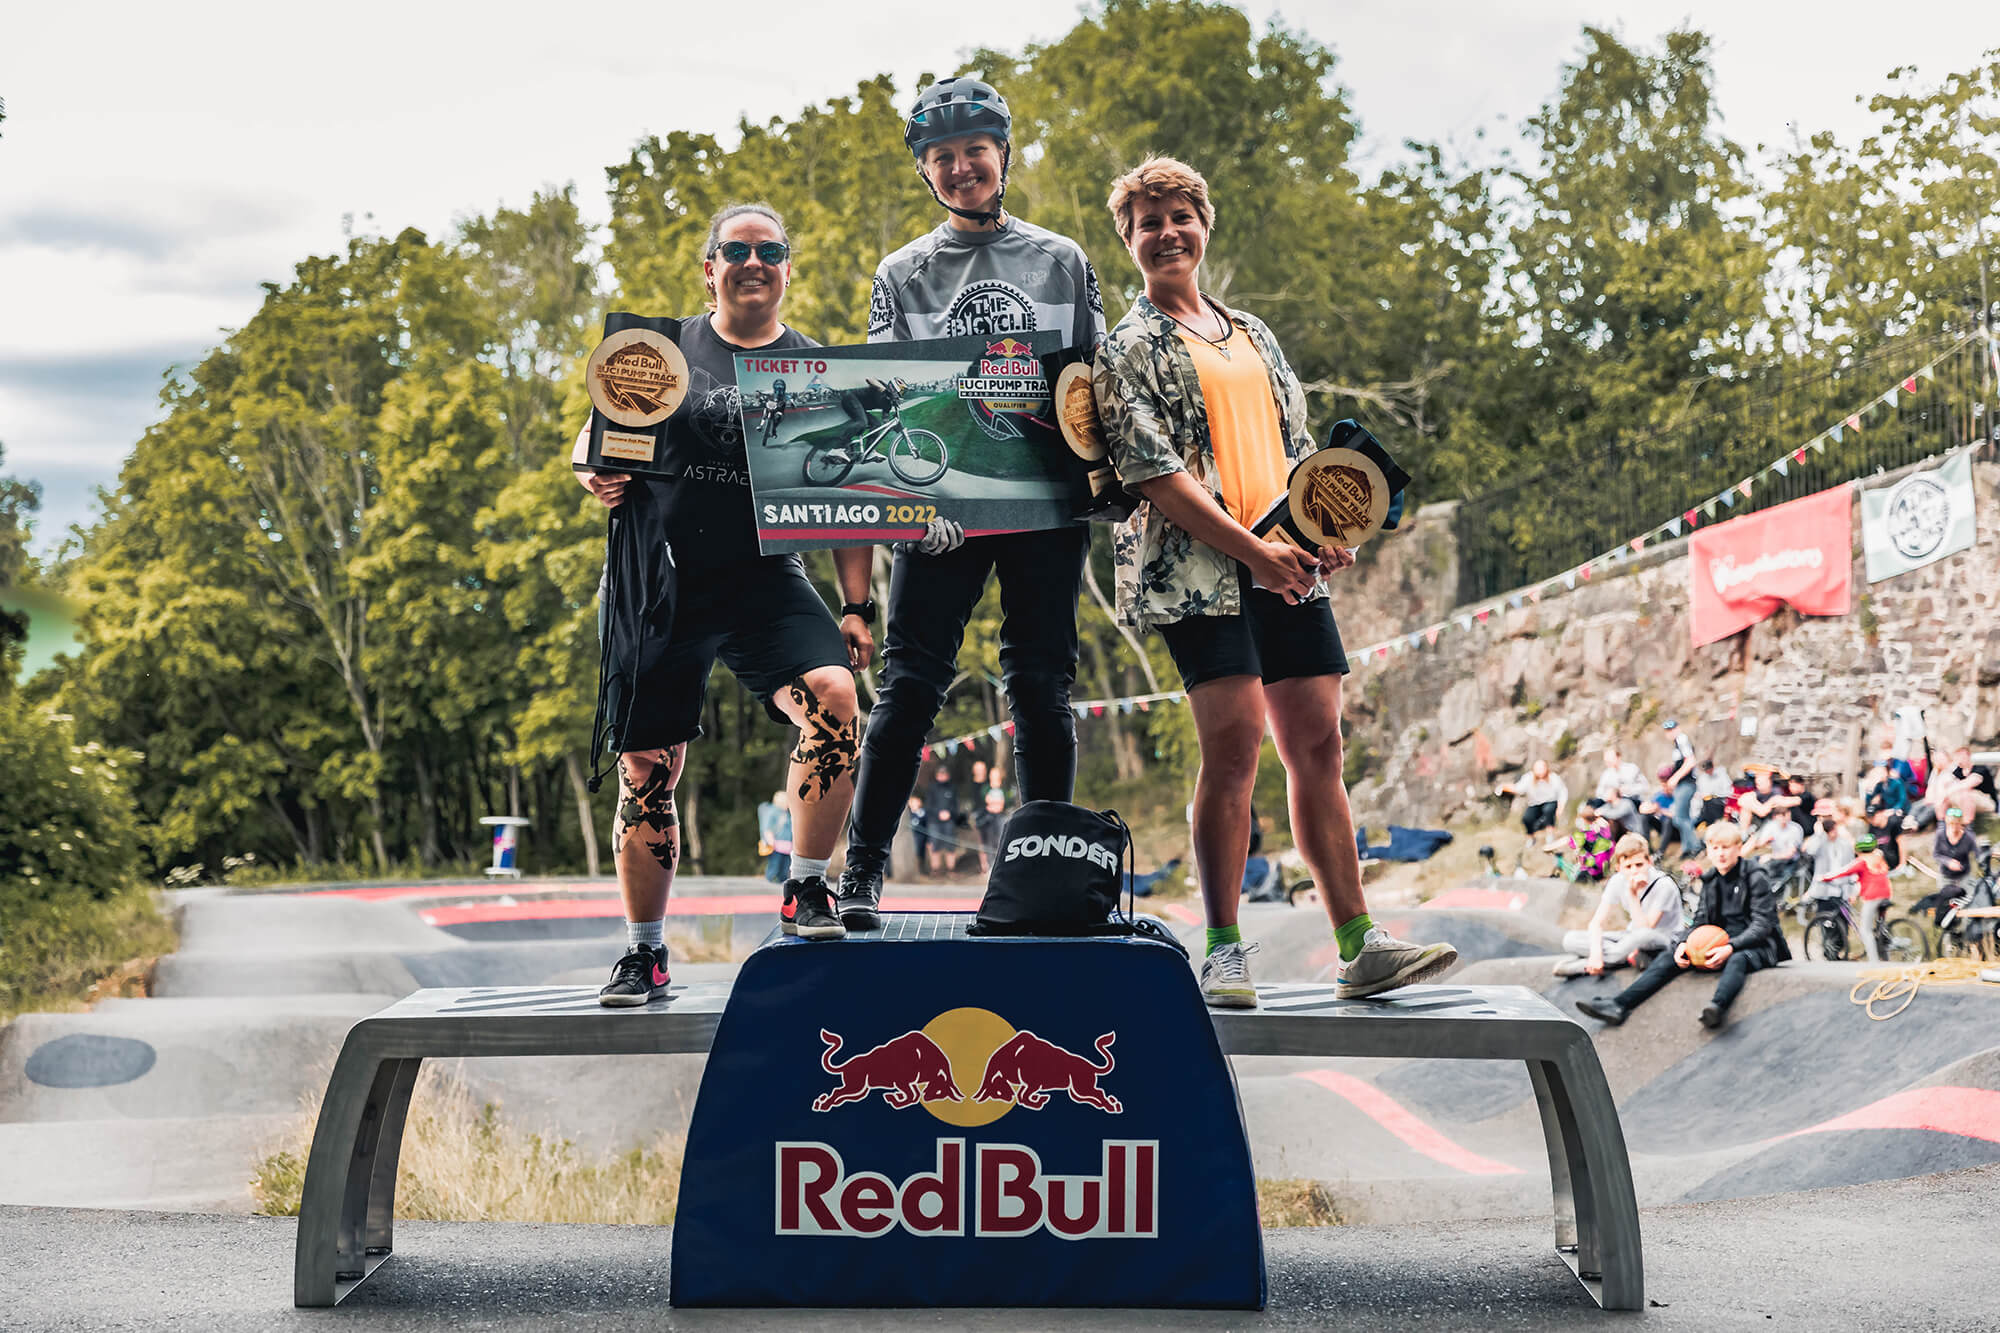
(1221, 935)
(1349, 934)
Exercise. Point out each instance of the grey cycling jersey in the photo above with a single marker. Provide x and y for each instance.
(951, 283)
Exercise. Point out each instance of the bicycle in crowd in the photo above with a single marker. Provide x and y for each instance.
(1960, 936)
(1834, 935)
(918, 457)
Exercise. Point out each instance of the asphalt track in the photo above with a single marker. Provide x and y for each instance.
(168, 1102)
(1907, 1254)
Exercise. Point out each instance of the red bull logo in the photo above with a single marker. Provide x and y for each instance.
(973, 1048)
(1009, 347)
(1010, 1194)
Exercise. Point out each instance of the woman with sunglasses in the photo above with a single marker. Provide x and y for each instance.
(758, 613)
(1204, 417)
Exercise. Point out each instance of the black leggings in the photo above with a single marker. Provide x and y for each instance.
(930, 599)
(1538, 817)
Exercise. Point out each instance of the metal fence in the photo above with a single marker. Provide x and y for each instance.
(1563, 515)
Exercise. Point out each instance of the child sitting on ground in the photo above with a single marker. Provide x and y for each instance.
(1651, 903)
(1585, 854)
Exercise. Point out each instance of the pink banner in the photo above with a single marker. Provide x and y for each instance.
(1797, 554)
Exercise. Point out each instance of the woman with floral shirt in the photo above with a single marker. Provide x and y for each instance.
(1204, 419)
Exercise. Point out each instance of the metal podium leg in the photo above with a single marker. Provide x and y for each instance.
(1596, 1213)
(348, 1202)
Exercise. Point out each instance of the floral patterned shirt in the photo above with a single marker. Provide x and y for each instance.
(1150, 408)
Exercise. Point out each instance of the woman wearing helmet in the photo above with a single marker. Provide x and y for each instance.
(981, 271)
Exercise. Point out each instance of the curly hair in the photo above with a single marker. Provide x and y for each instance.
(1157, 178)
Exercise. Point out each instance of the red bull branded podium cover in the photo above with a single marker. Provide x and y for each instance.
(917, 1117)
(857, 445)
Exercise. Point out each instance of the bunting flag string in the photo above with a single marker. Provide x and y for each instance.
(1690, 518)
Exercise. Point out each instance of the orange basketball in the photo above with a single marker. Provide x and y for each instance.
(1704, 940)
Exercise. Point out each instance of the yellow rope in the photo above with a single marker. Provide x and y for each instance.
(1903, 983)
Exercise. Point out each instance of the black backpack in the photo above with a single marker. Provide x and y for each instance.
(1056, 871)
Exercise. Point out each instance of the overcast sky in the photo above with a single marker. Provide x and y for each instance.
(158, 162)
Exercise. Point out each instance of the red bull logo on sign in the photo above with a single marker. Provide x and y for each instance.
(1011, 1195)
(963, 1048)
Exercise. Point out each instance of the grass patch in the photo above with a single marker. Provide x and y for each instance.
(71, 952)
(462, 1162)
(1296, 1202)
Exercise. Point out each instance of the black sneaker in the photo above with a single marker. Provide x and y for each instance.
(808, 910)
(1711, 1018)
(638, 978)
(1604, 1011)
(860, 897)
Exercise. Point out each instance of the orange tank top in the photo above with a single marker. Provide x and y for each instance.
(1243, 425)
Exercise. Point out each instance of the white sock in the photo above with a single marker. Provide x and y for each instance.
(804, 867)
(646, 933)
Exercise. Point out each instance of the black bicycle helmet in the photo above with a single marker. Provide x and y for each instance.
(952, 109)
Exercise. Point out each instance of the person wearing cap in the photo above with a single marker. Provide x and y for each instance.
(1681, 783)
(1204, 417)
(1956, 850)
(981, 271)
(1734, 896)
(1871, 871)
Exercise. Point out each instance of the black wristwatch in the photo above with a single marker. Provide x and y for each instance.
(866, 610)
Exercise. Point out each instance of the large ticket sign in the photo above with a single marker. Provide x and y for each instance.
(900, 1119)
(851, 446)
(1797, 554)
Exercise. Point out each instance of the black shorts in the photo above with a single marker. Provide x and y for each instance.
(1538, 817)
(1273, 640)
(762, 617)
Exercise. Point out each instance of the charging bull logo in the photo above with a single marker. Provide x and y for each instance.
(907, 1069)
(1027, 1069)
(974, 1048)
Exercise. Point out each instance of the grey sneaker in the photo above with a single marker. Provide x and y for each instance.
(1386, 962)
(1225, 978)
(1572, 967)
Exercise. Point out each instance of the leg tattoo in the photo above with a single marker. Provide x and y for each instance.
(649, 811)
(828, 747)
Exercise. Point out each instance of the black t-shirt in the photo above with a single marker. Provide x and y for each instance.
(707, 510)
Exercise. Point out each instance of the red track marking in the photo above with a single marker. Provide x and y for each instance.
(1504, 900)
(1972, 1113)
(1387, 1112)
(609, 905)
(1180, 912)
(490, 887)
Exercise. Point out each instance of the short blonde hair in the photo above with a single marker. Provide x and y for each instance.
(1158, 178)
(1723, 833)
(1630, 845)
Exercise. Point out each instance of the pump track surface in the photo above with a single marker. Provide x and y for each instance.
(163, 1105)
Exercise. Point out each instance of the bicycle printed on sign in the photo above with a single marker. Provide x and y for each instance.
(919, 457)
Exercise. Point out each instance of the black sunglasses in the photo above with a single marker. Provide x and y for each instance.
(773, 253)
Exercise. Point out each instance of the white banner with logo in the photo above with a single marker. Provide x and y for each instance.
(1922, 518)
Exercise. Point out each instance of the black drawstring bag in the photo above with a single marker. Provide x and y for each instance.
(640, 587)
(1057, 872)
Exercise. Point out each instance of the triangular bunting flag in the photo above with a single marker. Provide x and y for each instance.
(1484, 612)
(1674, 524)
(1383, 652)
(1744, 486)
(1465, 622)
(1585, 571)
(1514, 602)
(1431, 636)
(1854, 422)
(1889, 398)
(1007, 727)
(1910, 384)
(926, 753)
(1097, 710)
(994, 731)
(1780, 468)
(1927, 373)
(1414, 637)
(1819, 444)
(1535, 594)
(1569, 580)
(1837, 432)
(1689, 516)
(1638, 543)
(1799, 454)
(1727, 497)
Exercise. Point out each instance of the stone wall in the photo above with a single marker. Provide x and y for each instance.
(1433, 729)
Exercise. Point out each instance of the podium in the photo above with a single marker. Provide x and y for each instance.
(918, 1117)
